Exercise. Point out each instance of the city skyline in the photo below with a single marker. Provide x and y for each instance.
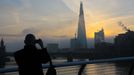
(58, 19)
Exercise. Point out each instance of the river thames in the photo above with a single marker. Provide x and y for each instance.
(90, 69)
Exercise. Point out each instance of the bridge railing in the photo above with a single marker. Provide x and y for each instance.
(121, 59)
(76, 63)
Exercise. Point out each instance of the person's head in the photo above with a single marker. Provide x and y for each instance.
(30, 39)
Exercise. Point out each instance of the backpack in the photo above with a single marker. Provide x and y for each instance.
(51, 71)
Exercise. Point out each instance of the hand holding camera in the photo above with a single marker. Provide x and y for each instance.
(39, 41)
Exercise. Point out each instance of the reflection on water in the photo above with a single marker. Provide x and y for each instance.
(101, 69)
(107, 69)
(91, 69)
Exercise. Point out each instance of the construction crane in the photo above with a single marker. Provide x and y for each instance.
(123, 26)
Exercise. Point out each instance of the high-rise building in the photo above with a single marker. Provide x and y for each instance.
(2, 54)
(2, 44)
(80, 41)
(74, 42)
(81, 37)
(99, 37)
(125, 41)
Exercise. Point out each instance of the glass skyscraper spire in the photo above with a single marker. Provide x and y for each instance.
(81, 37)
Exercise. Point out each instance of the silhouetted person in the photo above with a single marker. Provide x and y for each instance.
(131, 70)
(30, 58)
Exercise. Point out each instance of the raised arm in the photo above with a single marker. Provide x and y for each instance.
(46, 55)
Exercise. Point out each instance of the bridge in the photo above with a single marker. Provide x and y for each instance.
(77, 63)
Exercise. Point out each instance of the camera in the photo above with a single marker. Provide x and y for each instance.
(37, 41)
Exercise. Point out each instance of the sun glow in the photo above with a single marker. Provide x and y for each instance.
(110, 27)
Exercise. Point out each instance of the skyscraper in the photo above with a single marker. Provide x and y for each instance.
(99, 37)
(2, 54)
(2, 46)
(81, 37)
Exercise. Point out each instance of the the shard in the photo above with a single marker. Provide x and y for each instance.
(81, 37)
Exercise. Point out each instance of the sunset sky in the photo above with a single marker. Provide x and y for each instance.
(56, 20)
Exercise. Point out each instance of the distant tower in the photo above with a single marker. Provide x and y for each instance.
(99, 37)
(2, 54)
(81, 37)
(2, 44)
(74, 42)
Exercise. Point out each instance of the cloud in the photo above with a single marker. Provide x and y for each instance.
(29, 30)
(73, 5)
(60, 36)
(9, 14)
(10, 35)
